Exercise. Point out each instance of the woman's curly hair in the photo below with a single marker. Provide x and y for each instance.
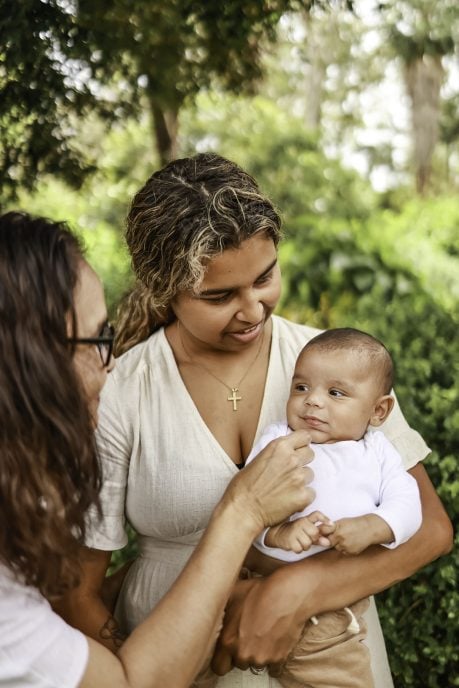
(185, 214)
(49, 473)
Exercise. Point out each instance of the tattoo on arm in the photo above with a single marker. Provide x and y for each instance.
(111, 631)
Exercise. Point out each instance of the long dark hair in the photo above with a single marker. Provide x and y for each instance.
(49, 472)
(184, 215)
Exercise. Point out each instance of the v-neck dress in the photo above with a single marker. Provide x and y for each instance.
(164, 471)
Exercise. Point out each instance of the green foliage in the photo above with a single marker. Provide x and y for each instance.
(61, 61)
(420, 27)
(121, 556)
(37, 100)
(421, 615)
(287, 161)
(97, 211)
(178, 46)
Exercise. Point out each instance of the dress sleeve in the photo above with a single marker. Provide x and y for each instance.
(399, 500)
(409, 443)
(114, 440)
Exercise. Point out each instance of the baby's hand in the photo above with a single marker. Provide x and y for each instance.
(298, 536)
(353, 535)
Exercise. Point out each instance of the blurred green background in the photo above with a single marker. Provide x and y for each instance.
(347, 113)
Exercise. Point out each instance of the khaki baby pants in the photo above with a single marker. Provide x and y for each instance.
(330, 652)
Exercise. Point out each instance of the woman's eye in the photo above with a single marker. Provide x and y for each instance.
(217, 299)
(264, 278)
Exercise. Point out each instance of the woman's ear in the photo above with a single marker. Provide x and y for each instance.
(383, 406)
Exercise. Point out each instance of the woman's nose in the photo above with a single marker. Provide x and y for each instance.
(250, 310)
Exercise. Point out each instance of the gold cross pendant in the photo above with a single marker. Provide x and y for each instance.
(234, 398)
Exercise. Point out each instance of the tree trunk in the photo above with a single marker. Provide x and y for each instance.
(165, 128)
(322, 47)
(315, 68)
(424, 77)
(314, 94)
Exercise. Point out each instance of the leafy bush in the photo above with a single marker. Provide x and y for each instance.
(97, 211)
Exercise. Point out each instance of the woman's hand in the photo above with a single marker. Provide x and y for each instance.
(271, 487)
(274, 485)
(251, 636)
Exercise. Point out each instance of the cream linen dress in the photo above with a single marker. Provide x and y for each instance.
(164, 472)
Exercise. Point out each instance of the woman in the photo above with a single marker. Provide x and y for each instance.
(184, 407)
(56, 349)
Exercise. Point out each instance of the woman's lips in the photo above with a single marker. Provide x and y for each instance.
(248, 334)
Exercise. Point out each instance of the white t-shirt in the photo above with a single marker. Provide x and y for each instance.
(37, 648)
(353, 478)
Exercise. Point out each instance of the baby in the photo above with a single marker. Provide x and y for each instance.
(341, 385)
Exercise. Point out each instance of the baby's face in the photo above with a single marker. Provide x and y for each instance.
(333, 395)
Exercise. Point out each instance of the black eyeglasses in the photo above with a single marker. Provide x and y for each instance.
(104, 342)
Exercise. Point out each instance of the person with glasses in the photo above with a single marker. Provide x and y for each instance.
(56, 353)
(104, 345)
(103, 341)
(206, 365)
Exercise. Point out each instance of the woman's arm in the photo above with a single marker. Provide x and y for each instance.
(169, 647)
(84, 607)
(278, 606)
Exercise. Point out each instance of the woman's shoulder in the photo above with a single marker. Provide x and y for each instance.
(132, 369)
(134, 361)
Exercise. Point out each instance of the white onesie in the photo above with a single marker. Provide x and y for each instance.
(353, 478)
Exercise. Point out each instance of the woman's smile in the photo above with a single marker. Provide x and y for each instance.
(249, 334)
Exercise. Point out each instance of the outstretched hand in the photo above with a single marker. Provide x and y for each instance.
(271, 488)
(274, 485)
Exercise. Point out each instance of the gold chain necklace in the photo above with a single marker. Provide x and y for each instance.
(234, 390)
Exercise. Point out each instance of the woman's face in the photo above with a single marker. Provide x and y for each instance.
(91, 315)
(239, 292)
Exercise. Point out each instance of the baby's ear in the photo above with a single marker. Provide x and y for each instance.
(383, 406)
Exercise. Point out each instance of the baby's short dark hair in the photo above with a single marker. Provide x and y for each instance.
(349, 338)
